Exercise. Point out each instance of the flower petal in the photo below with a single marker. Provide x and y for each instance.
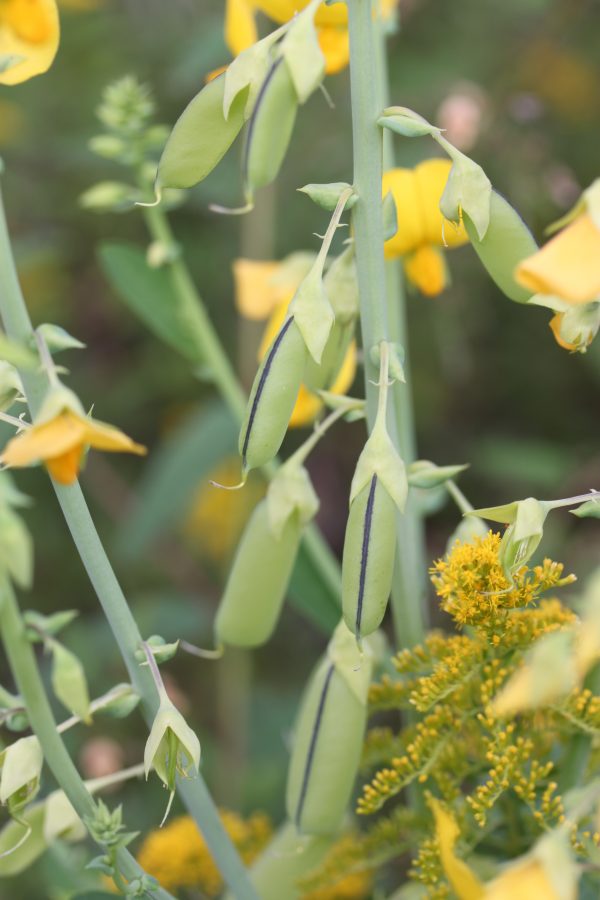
(29, 31)
(335, 44)
(426, 268)
(240, 27)
(65, 468)
(255, 294)
(567, 265)
(411, 222)
(46, 441)
(107, 437)
(464, 882)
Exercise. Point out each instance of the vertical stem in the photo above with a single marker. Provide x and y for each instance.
(31, 688)
(381, 299)
(193, 792)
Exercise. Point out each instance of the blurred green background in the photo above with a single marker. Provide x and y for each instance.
(517, 85)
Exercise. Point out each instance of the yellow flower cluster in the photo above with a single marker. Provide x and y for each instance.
(474, 590)
(177, 855)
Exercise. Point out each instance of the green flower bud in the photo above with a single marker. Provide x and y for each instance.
(327, 195)
(21, 769)
(525, 520)
(402, 120)
(425, 474)
(109, 196)
(69, 682)
(11, 385)
(302, 53)
(172, 748)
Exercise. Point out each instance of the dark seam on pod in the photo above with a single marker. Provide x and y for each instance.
(313, 744)
(261, 385)
(365, 552)
(252, 121)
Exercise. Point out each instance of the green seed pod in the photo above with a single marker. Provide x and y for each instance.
(273, 396)
(328, 738)
(289, 857)
(270, 128)
(507, 241)
(258, 581)
(368, 561)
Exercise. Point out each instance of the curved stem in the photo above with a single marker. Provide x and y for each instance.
(382, 317)
(194, 793)
(29, 683)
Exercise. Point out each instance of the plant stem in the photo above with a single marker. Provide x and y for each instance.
(194, 793)
(381, 319)
(227, 384)
(31, 688)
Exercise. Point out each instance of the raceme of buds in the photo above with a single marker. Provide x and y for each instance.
(328, 737)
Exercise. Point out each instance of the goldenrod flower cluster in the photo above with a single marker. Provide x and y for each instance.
(456, 746)
(178, 857)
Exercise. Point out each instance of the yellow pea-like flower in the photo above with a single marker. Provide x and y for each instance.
(29, 37)
(568, 265)
(59, 438)
(422, 230)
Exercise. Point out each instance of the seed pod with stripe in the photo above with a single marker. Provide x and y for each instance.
(263, 565)
(506, 243)
(273, 397)
(270, 128)
(328, 737)
(379, 489)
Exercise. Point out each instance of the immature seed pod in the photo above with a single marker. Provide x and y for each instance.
(328, 738)
(368, 560)
(258, 581)
(278, 870)
(270, 128)
(273, 397)
(507, 241)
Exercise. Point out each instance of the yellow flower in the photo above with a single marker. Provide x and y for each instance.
(29, 33)
(523, 881)
(568, 266)
(464, 882)
(265, 289)
(59, 438)
(178, 857)
(422, 231)
(331, 22)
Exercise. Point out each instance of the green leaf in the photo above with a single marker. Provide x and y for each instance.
(303, 55)
(50, 625)
(589, 510)
(150, 294)
(69, 682)
(181, 463)
(317, 601)
(404, 121)
(425, 474)
(201, 136)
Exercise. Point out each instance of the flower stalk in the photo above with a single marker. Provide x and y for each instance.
(381, 312)
(195, 794)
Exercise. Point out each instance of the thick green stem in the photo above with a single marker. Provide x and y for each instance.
(227, 384)
(193, 792)
(31, 688)
(382, 316)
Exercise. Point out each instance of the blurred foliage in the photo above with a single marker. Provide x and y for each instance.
(491, 386)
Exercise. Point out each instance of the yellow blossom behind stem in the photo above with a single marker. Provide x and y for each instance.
(422, 231)
(29, 32)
